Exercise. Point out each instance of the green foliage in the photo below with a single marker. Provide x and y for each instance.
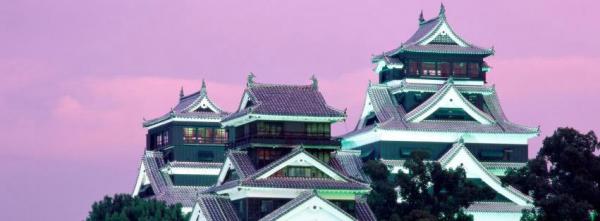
(563, 179)
(428, 191)
(123, 207)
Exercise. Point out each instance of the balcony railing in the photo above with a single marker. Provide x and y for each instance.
(286, 138)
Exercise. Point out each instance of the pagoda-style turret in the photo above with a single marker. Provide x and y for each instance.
(434, 51)
(185, 149)
(433, 98)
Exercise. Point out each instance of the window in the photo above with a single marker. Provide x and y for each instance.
(413, 68)
(266, 156)
(507, 153)
(159, 140)
(205, 135)
(429, 68)
(473, 70)
(323, 155)
(189, 135)
(459, 69)
(220, 135)
(298, 171)
(444, 69)
(317, 129)
(269, 128)
(165, 138)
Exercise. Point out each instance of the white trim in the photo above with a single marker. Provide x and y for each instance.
(227, 166)
(376, 134)
(235, 193)
(182, 119)
(197, 213)
(190, 171)
(302, 159)
(204, 103)
(142, 179)
(474, 169)
(244, 102)
(315, 208)
(435, 81)
(254, 117)
(452, 99)
(367, 109)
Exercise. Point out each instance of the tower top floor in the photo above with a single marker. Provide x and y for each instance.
(435, 52)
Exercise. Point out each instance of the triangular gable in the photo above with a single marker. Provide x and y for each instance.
(299, 157)
(459, 155)
(443, 32)
(236, 162)
(308, 206)
(142, 180)
(447, 97)
(247, 100)
(203, 102)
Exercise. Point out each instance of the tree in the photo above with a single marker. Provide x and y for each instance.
(427, 191)
(563, 178)
(123, 207)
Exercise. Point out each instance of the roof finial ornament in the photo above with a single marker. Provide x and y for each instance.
(451, 80)
(181, 93)
(421, 18)
(203, 88)
(461, 140)
(442, 10)
(370, 83)
(315, 83)
(250, 81)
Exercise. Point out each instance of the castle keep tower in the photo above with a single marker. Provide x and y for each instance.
(433, 96)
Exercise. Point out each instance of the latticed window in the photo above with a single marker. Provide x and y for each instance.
(317, 129)
(205, 135)
(299, 171)
(165, 138)
(159, 140)
(220, 135)
(459, 69)
(269, 128)
(189, 135)
(444, 69)
(413, 68)
(429, 69)
(473, 70)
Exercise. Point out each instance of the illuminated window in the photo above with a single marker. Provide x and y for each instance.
(459, 69)
(413, 68)
(189, 135)
(220, 135)
(429, 69)
(444, 69)
(159, 140)
(165, 138)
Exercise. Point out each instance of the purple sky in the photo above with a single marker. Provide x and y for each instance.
(78, 76)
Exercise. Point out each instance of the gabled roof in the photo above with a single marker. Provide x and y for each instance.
(436, 36)
(459, 155)
(449, 95)
(195, 107)
(263, 178)
(214, 208)
(277, 101)
(392, 116)
(307, 203)
(350, 164)
(161, 185)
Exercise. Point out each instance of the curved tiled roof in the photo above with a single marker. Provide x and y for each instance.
(183, 109)
(217, 208)
(426, 30)
(382, 100)
(286, 100)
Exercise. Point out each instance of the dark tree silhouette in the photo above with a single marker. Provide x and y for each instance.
(563, 178)
(123, 207)
(427, 191)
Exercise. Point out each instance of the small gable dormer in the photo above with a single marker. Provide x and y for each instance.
(448, 104)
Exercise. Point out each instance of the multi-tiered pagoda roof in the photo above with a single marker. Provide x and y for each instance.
(195, 107)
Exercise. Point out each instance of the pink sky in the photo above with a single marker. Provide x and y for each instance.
(79, 76)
